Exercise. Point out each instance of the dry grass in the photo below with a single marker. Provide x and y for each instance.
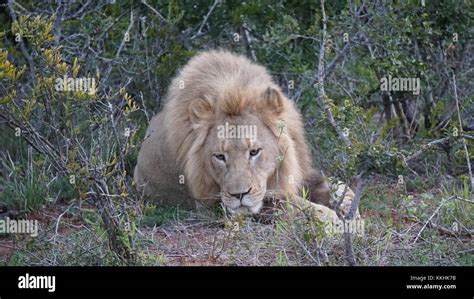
(395, 234)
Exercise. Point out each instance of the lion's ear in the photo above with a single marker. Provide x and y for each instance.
(271, 101)
(200, 112)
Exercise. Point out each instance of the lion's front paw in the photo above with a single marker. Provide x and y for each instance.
(342, 197)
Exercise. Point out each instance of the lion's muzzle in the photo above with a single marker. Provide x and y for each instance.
(246, 202)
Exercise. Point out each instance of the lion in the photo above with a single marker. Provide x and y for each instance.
(228, 133)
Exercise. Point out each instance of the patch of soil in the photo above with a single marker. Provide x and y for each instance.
(197, 246)
(7, 247)
(46, 216)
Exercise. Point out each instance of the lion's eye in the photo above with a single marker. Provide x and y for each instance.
(219, 157)
(255, 152)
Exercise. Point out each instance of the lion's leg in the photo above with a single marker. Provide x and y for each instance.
(321, 212)
(342, 198)
(332, 196)
(299, 206)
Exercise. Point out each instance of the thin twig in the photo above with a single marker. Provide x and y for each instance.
(206, 18)
(248, 41)
(341, 198)
(358, 195)
(303, 246)
(160, 16)
(431, 217)
(53, 238)
(425, 147)
(349, 217)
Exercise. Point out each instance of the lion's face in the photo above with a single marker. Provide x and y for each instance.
(241, 156)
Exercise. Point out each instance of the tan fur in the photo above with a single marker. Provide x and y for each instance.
(216, 87)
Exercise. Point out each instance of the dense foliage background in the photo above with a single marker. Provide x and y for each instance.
(67, 157)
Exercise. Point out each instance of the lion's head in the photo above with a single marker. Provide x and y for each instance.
(233, 133)
(240, 153)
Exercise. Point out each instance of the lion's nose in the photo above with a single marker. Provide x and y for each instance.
(240, 195)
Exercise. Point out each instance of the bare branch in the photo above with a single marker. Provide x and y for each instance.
(160, 16)
(358, 195)
(350, 216)
(321, 74)
(425, 147)
(431, 217)
(206, 18)
(248, 41)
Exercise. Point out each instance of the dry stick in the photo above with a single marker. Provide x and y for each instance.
(448, 232)
(463, 199)
(467, 136)
(199, 32)
(302, 245)
(160, 16)
(425, 147)
(461, 132)
(341, 199)
(248, 41)
(53, 238)
(431, 217)
(321, 74)
(350, 215)
(358, 195)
